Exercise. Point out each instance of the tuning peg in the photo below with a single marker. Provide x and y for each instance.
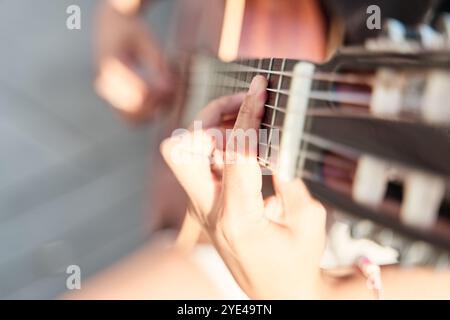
(387, 91)
(401, 243)
(370, 183)
(430, 38)
(435, 107)
(443, 25)
(422, 197)
(362, 229)
(395, 30)
(418, 253)
(389, 237)
(393, 36)
(386, 237)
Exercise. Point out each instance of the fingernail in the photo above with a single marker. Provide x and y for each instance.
(258, 85)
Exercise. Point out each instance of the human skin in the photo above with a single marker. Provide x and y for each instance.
(273, 246)
(249, 243)
(132, 72)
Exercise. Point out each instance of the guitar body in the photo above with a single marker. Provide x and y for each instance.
(233, 29)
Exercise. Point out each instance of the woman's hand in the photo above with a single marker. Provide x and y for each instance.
(272, 246)
(133, 74)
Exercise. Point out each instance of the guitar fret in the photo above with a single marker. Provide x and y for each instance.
(243, 75)
(282, 91)
(274, 113)
(271, 146)
(262, 161)
(236, 79)
(317, 100)
(267, 151)
(221, 82)
(249, 75)
(267, 125)
(275, 108)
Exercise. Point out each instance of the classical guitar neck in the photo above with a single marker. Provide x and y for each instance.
(368, 132)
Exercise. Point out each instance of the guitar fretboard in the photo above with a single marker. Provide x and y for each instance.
(326, 141)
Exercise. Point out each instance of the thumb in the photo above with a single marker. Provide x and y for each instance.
(242, 174)
(188, 157)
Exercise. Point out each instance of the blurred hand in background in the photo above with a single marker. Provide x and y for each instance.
(133, 74)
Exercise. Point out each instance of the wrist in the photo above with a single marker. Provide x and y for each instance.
(189, 232)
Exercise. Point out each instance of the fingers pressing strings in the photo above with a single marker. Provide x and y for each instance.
(190, 154)
(221, 109)
(242, 179)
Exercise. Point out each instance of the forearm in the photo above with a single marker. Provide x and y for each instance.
(189, 233)
(398, 283)
(149, 273)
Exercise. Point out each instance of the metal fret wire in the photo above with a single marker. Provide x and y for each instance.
(274, 111)
(266, 156)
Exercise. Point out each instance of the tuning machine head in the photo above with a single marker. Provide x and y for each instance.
(422, 94)
(370, 181)
(394, 37)
(417, 253)
(422, 196)
(436, 98)
(411, 253)
(443, 24)
(363, 229)
(398, 37)
(436, 37)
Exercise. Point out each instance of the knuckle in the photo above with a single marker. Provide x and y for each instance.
(246, 107)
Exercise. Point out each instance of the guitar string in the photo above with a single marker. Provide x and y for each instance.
(321, 142)
(353, 98)
(316, 157)
(304, 172)
(244, 70)
(318, 75)
(224, 83)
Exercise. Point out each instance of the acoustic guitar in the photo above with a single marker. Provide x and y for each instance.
(367, 130)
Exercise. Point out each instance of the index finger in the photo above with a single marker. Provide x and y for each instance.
(242, 174)
(212, 115)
